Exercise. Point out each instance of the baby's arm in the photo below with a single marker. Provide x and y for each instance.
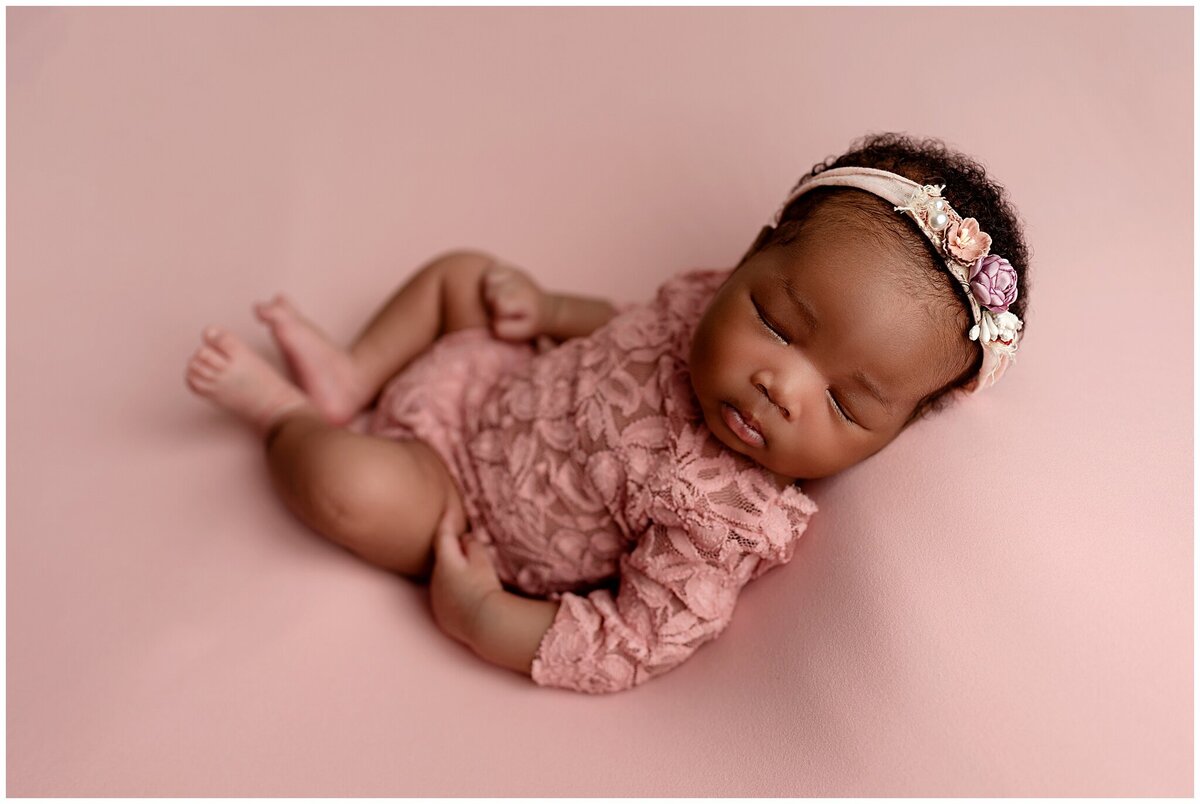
(519, 309)
(671, 599)
(575, 316)
(509, 628)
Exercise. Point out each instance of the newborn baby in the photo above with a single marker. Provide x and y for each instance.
(618, 476)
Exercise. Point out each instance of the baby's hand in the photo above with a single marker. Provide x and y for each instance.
(461, 578)
(517, 308)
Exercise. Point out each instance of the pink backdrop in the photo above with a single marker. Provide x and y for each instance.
(998, 604)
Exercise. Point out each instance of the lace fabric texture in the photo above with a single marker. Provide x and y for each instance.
(589, 473)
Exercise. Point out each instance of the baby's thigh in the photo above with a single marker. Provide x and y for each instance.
(383, 500)
(446, 489)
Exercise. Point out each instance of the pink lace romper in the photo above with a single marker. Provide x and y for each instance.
(588, 471)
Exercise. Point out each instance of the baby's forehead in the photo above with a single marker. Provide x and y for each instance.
(870, 305)
(858, 278)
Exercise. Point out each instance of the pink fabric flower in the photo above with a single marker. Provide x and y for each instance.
(568, 638)
(994, 283)
(616, 672)
(966, 242)
(705, 594)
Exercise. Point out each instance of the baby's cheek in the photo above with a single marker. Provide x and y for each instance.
(705, 359)
(724, 352)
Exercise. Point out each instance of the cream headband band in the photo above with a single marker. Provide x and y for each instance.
(990, 281)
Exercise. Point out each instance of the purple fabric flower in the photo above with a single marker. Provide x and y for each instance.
(994, 283)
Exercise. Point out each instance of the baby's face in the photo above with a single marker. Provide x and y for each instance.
(774, 395)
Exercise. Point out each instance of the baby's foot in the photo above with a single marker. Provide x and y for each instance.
(229, 373)
(323, 369)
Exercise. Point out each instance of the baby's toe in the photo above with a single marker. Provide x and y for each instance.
(209, 356)
(222, 340)
(276, 311)
(202, 367)
(284, 304)
(265, 312)
(198, 381)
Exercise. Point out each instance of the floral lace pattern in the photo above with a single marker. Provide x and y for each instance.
(589, 472)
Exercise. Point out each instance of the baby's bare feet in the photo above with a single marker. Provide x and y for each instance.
(323, 369)
(229, 373)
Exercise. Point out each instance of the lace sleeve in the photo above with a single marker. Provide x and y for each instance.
(673, 597)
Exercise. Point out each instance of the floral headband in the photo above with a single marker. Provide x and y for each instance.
(989, 280)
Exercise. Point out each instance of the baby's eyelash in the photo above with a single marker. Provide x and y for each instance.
(767, 323)
(840, 411)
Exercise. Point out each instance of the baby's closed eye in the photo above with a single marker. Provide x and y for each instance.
(773, 328)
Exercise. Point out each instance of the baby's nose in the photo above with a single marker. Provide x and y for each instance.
(774, 400)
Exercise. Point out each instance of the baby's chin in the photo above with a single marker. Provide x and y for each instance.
(782, 479)
(716, 426)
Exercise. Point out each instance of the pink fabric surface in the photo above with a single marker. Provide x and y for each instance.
(999, 603)
(590, 464)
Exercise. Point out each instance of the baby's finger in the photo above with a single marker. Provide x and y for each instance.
(518, 303)
(511, 310)
(506, 304)
(491, 277)
(453, 519)
(495, 274)
(446, 548)
(502, 302)
(511, 327)
(491, 295)
(477, 554)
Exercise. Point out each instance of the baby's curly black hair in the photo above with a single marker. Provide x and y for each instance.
(968, 190)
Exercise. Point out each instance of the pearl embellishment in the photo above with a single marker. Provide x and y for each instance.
(939, 221)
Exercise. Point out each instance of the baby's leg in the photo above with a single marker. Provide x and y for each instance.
(443, 296)
(379, 498)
